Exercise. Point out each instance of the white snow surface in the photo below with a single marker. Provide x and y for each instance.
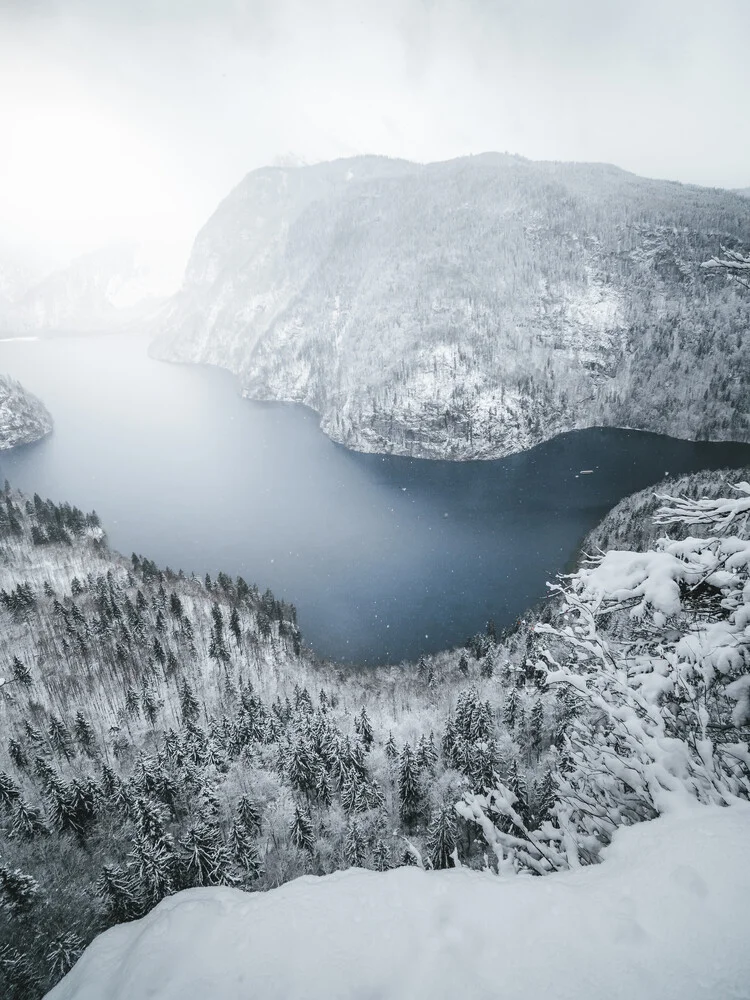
(664, 916)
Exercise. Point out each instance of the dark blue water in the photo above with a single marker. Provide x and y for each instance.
(384, 557)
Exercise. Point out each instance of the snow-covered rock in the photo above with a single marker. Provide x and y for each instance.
(23, 417)
(471, 308)
(663, 918)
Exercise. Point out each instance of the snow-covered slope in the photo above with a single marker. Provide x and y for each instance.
(23, 417)
(471, 308)
(663, 918)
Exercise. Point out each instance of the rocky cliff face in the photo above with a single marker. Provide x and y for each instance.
(23, 417)
(472, 308)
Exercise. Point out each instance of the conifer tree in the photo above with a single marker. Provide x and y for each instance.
(27, 822)
(234, 625)
(408, 785)
(441, 838)
(391, 750)
(355, 847)
(204, 856)
(301, 830)
(10, 790)
(17, 755)
(363, 728)
(189, 707)
(463, 665)
(84, 734)
(248, 814)
(60, 738)
(63, 953)
(18, 976)
(153, 869)
(116, 889)
(536, 726)
(517, 785)
(381, 856)
(21, 672)
(487, 667)
(510, 712)
(243, 850)
(18, 891)
(322, 785)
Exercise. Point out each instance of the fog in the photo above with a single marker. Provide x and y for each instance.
(125, 120)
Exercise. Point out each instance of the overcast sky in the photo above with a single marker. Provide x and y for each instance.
(131, 119)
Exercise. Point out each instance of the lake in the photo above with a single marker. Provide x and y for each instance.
(384, 557)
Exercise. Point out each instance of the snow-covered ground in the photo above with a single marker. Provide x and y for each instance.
(665, 916)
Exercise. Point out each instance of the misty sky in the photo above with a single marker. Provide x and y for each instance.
(131, 119)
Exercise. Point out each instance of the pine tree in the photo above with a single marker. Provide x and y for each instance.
(21, 672)
(189, 707)
(441, 838)
(427, 755)
(10, 790)
(391, 751)
(234, 626)
(84, 734)
(363, 728)
(27, 822)
(517, 785)
(408, 785)
(153, 870)
(355, 847)
(115, 887)
(249, 815)
(381, 856)
(63, 953)
(536, 726)
(511, 708)
(301, 830)
(487, 668)
(322, 786)
(19, 978)
(205, 857)
(18, 755)
(60, 738)
(132, 703)
(244, 851)
(463, 665)
(18, 892)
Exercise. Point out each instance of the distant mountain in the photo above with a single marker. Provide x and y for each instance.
(472, 308)
(23, 417)
(105, 290)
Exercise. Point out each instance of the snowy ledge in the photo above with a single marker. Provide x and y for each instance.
(665, 916)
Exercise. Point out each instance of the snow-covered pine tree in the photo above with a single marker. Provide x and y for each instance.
(441, 837)
(409, 792)
(301, 830)
(18, 892)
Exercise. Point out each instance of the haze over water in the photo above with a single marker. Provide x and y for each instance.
(384, 557)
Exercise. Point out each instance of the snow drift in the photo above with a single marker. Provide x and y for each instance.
(665, 916)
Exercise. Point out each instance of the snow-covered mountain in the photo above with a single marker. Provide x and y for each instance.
(23, 417)
(104, 290)
(474, 307)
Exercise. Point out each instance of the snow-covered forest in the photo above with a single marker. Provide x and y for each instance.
(472, 308)
(163, 732)
(23, 417)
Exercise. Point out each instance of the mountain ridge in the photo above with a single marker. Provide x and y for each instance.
(471, 308)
